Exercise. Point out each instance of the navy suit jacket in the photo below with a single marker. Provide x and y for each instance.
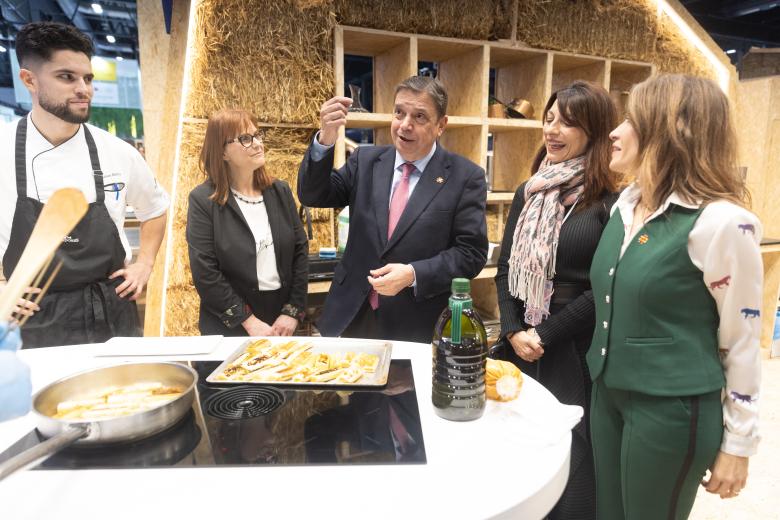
(442, 233)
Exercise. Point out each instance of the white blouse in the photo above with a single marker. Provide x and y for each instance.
(256, 216)
(725, 244)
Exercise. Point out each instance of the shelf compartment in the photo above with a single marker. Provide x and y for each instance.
(468, 141)
(522, 73)
(622, 76)
(393, 60)
(567, 68)
(462, 69)
(513, 155)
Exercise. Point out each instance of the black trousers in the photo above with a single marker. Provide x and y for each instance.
(364, 325)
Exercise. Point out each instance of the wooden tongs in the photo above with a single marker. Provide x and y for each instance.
(59, 216)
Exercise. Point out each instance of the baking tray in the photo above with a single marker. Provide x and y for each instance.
(382, 349)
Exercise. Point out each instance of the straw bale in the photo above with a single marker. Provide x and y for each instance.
(471, 19)
(492, 224)
(627, 29)
(272, 58)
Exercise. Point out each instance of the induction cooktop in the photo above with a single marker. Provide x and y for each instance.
(267, 425)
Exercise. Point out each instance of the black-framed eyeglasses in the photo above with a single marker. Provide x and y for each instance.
(246, 140)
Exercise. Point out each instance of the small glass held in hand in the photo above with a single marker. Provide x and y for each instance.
(354, 93)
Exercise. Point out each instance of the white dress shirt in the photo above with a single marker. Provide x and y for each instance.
(717, 245)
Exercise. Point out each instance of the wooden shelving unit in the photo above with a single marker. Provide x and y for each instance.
(464, 67)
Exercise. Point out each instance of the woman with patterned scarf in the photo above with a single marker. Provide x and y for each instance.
(554, 226)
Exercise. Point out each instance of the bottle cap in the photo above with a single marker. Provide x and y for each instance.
(461, 285)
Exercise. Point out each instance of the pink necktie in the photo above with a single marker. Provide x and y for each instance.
(397, 205)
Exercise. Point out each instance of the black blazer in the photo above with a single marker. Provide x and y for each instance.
(442, 234)
(223, 258)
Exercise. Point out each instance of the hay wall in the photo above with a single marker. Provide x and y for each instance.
(275, 59)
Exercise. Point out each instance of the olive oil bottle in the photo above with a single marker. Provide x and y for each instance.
(459, 356)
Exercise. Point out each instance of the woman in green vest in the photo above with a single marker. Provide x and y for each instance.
(677, 283)
(544, 295)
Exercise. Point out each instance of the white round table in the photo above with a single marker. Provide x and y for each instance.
(474, 470)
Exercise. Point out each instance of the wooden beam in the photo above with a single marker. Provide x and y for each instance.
(162, 70)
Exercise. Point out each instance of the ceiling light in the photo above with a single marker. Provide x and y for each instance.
(97, 8)
(110, 38)
(120, 58)
(3, 49)
(731, 51)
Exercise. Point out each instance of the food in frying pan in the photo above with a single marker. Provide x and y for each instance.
(295, 362)
(116, 401)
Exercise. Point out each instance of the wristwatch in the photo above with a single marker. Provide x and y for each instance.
(288, 309)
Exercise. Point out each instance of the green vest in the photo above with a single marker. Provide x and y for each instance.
(656, 323)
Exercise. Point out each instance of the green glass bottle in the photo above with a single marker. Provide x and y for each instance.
(459, 355)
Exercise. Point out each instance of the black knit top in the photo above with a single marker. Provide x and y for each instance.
(580, 235)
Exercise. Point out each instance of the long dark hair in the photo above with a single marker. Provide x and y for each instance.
(587, 106)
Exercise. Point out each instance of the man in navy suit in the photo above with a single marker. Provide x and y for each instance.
(417, 218)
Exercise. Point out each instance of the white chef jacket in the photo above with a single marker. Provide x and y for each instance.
(67, 165)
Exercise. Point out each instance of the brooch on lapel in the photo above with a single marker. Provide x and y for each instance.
(643, 238)
(439, 180)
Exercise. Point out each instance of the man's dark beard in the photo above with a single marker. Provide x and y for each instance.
(63, 111)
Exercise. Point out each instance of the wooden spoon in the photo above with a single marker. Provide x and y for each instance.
(59, 216)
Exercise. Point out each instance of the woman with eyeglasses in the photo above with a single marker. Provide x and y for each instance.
(248, 251)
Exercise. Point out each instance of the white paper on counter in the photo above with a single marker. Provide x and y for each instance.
(155, 346)
(532, 424)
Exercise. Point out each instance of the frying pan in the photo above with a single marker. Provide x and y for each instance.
(63, 433)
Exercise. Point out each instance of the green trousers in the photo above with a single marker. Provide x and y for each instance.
(651, 452)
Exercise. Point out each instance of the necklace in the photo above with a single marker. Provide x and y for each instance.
(245, 199)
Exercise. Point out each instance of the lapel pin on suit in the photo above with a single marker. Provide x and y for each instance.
(440, 180)
(643, 238)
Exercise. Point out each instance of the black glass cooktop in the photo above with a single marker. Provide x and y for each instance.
(251, 425)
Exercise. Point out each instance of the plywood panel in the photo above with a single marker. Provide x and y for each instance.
(625, 74)
(369, 42)
(771, 291)
(569, 68)
(465, 77)
(162, 70)
(468, 142)
(390, 68)
(770, 194)
(524, 79)
(513, 154)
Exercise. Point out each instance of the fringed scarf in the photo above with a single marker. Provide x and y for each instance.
(535, 241)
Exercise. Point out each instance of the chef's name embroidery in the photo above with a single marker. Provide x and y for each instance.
(70, 240)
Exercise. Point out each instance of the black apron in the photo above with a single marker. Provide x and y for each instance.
(81, 305)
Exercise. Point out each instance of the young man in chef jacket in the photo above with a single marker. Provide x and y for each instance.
(93, 296)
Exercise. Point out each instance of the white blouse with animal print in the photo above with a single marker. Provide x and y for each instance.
(734, 273)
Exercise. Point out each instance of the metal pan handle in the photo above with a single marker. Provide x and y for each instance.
(44, 450)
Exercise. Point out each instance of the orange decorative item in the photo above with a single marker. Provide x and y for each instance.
(644, 238)
(503, 380)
